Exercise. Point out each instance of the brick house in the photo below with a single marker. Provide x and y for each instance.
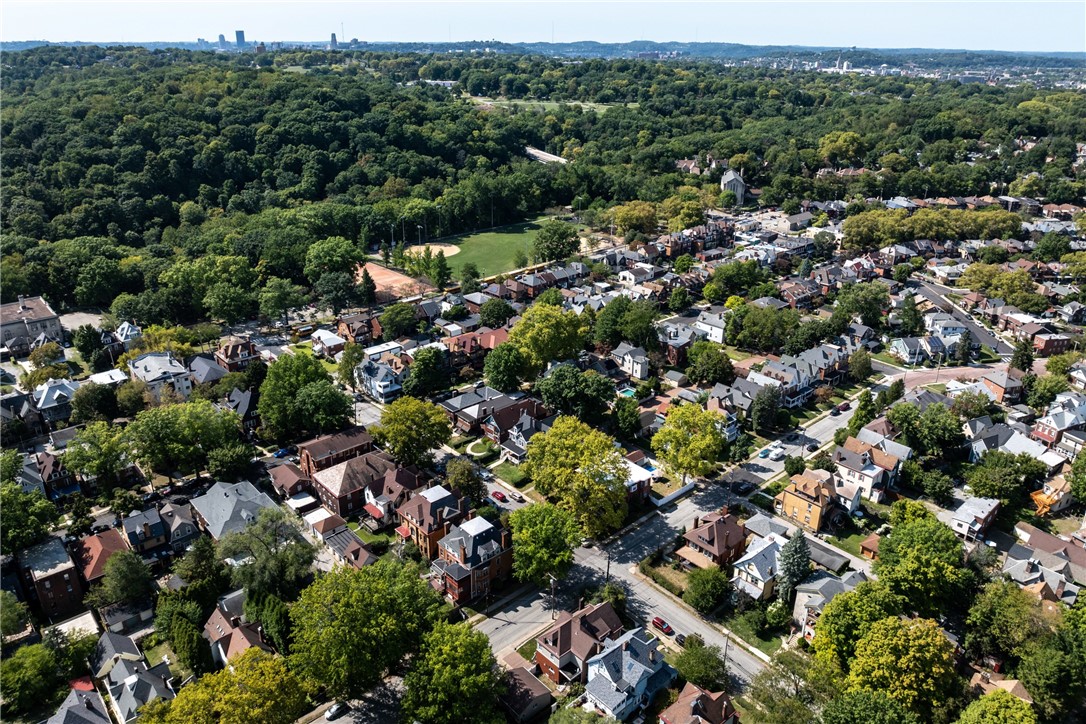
(52, 579)
(1006, 388)
(236, 353)
(562, 650)
(323, 452)
(716, 540)
(357, 328)
(342, 488)
(427, 517)
(472, 558)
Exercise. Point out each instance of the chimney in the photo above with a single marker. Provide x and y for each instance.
(625, 645)
(696, 521)
(235, 621)
(22, 302)
(463, 551)
(724, 511)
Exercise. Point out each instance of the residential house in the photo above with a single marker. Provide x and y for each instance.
(468, 412)
(1071, 443)
(908, 349)
(133, 684)
(633, 360)
(713, 322)
(228, 632)
(696, 705)
(326, 451)
(716, 540)
(228, 507)
(874, 470)
(563, 650)
(626, 676)
(815, 592)
(525, 698)
(236, 353)
(1054, 496)
(1067, 412)
(640, 474)
(144, 530)
(181, 528)
(205, 370)
(380, 381)
(521, 415)
(26, 319)
(676, 341)
(732, 181)
(357, 328)
(111, 649)
(973, 517)
(159, 370)
(244, 404)
(81, 706)
(807, 501)
(47, 472)
(349, 549)
(327, 344)
(53, 400)
(96, 550)
(1049, 581)
(1046, 344)
(52, 578)
(795, 383)
(427, 517)
(1006, 388)
(289, 480)
(756, 572)
(1052, 551)
(800, 221)
(323, 523)
(473, 557)
(342, 488)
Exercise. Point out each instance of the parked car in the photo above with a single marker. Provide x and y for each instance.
(776, 454)
(337, 710)
(844, 406)
(662, 625)
(743, 488)
(498, 495)
(281, 453)
(812, 447)
(764, 453)
(517, 497)
(680, 639)
(834, 412)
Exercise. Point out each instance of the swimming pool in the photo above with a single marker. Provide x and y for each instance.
(628, 392)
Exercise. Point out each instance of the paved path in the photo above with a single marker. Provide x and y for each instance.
(935, 292)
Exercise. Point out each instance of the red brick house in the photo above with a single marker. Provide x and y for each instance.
(236, 353)
(323, 452)
(357, 328)
(696, 705)
(288, 480)
(717, 540)
(342, 488)
(51, 578)
(428, 516)
(472, 559)
(563, 649)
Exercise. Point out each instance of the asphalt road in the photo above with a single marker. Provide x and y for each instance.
(935, 293)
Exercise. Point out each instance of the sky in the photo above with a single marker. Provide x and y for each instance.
(1043, 25)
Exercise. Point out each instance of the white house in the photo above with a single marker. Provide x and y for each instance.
(713, 323)
(627, 674)
(632, 360)
(159, 369)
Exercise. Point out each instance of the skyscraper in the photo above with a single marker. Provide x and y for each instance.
(222, 42)
(240, 36)
(333, 45)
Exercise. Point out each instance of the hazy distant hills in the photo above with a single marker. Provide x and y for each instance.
(868, 57)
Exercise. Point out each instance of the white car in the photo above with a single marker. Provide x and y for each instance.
(776, 454)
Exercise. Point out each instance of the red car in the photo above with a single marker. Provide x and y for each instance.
(498, 495)
(662, 625)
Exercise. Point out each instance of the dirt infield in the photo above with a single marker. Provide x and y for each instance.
(449, 249)
(392, 284)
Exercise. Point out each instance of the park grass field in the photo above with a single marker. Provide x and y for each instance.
(492, 251)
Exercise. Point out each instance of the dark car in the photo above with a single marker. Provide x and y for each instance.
(844, 406)
(282, 453)
(834, 412)
(680, 639)
(811, 447)
(742, 488)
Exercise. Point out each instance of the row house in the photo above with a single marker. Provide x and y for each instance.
(795, 383)
(1067, 412)
(473, 558)
(428, 517)
(326, 451)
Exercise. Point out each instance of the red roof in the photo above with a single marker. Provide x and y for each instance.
(404, 531)
(97, 549)
(373, 510)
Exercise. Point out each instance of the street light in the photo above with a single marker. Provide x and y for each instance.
(419, 227)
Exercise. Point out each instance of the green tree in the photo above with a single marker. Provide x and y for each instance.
(627, 415)
(784, 691)
(278, 296)
(256, 687)
(1077, 478)
(180, 436)
(503, 367)
(279, 556)
(859, 365)
(131, 397)
(1003, 621)
(544, 537)
(13, 613)
(923, 561)
(336, 291)
(968, 405)
(352, 626)
(998, 707)
(764, 409)
(865, 412)
(546, 333)
(453, 679)
(848, 617)
(353, 355)
(397, 321)
(367, 288)
(912, 322)
(867, 301)
(703, 666)
(460, 474)
(411, 428)
(580, 469)
(284, 412)
(1005, 476)
(97, 451)
(706, 589)
(228, 302)
(683, 263)
(584, 395)
(28, 677)
(709, 364)
(964, 350)
(94, 402)
(231, 461)
(866, 707)
(332, 255)
(690, 441)
(440, 273)
(555, 240)
(494, 313)
(127, 579)
(428, 373)
(1022, 359)
(201, 567)
(795, 565)
(87, 340)
(28, 517)
(911, 661)
(1044, 391)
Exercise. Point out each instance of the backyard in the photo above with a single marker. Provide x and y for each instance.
(159, 653)
(511, 474)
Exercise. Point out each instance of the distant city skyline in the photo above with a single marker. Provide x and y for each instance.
(1009, 25)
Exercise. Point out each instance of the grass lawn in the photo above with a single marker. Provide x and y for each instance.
(369, 536)
(511, 474)
(527, 650)
(492, 251)
(460, 443)
(736, 354)
(306, 348)
(676, 578)
(987, 355)
(159, 653)
(851, 541)
(741, 628)
(887, 358)
(1066, 525)
(763, 501)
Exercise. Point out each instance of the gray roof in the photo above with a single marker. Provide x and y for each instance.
(46, 558)
(206, 369)
(480, 538)
(627, 349)
(762, 525)
(762, 556)
(229, 507)
(81, 707)
(626, 661)
(133, 684)
(133, 523)
(112, 647)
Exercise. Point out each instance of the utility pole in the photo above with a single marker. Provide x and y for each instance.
(607, 577)
(554, 603)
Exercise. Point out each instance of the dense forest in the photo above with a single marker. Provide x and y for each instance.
(161, 174)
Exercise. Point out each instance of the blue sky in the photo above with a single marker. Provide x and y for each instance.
(1011, 25)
